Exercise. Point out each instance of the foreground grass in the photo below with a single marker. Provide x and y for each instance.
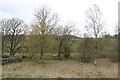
(60, 69)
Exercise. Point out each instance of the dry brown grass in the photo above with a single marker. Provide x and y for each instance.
(61, 69)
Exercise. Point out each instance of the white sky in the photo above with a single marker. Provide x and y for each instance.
(68, 10)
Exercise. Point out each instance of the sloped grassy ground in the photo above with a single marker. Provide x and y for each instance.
(60, 69)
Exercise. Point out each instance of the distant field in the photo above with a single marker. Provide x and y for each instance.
(60, 69)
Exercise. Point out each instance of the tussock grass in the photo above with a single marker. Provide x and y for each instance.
(61, 69)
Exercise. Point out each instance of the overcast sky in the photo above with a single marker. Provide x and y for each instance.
(68, 10)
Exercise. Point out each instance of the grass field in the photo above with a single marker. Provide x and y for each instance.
(65, 68)
(61, 69)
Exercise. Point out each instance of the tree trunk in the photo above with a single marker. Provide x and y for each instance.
(41, 57)
(66, 55)
(2, 46)
(69, 55)
(95, 57)
(58, 55)
(84, 58)
(59, 51)
(12, 53)
(2, 43)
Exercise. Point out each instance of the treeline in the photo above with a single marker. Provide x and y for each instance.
(84, 48)
(47, 36)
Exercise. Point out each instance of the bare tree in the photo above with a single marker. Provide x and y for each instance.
(95, 24)
(4, 28)
(64, 39)
(43, 27)
(14, 29)
(58, 37)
